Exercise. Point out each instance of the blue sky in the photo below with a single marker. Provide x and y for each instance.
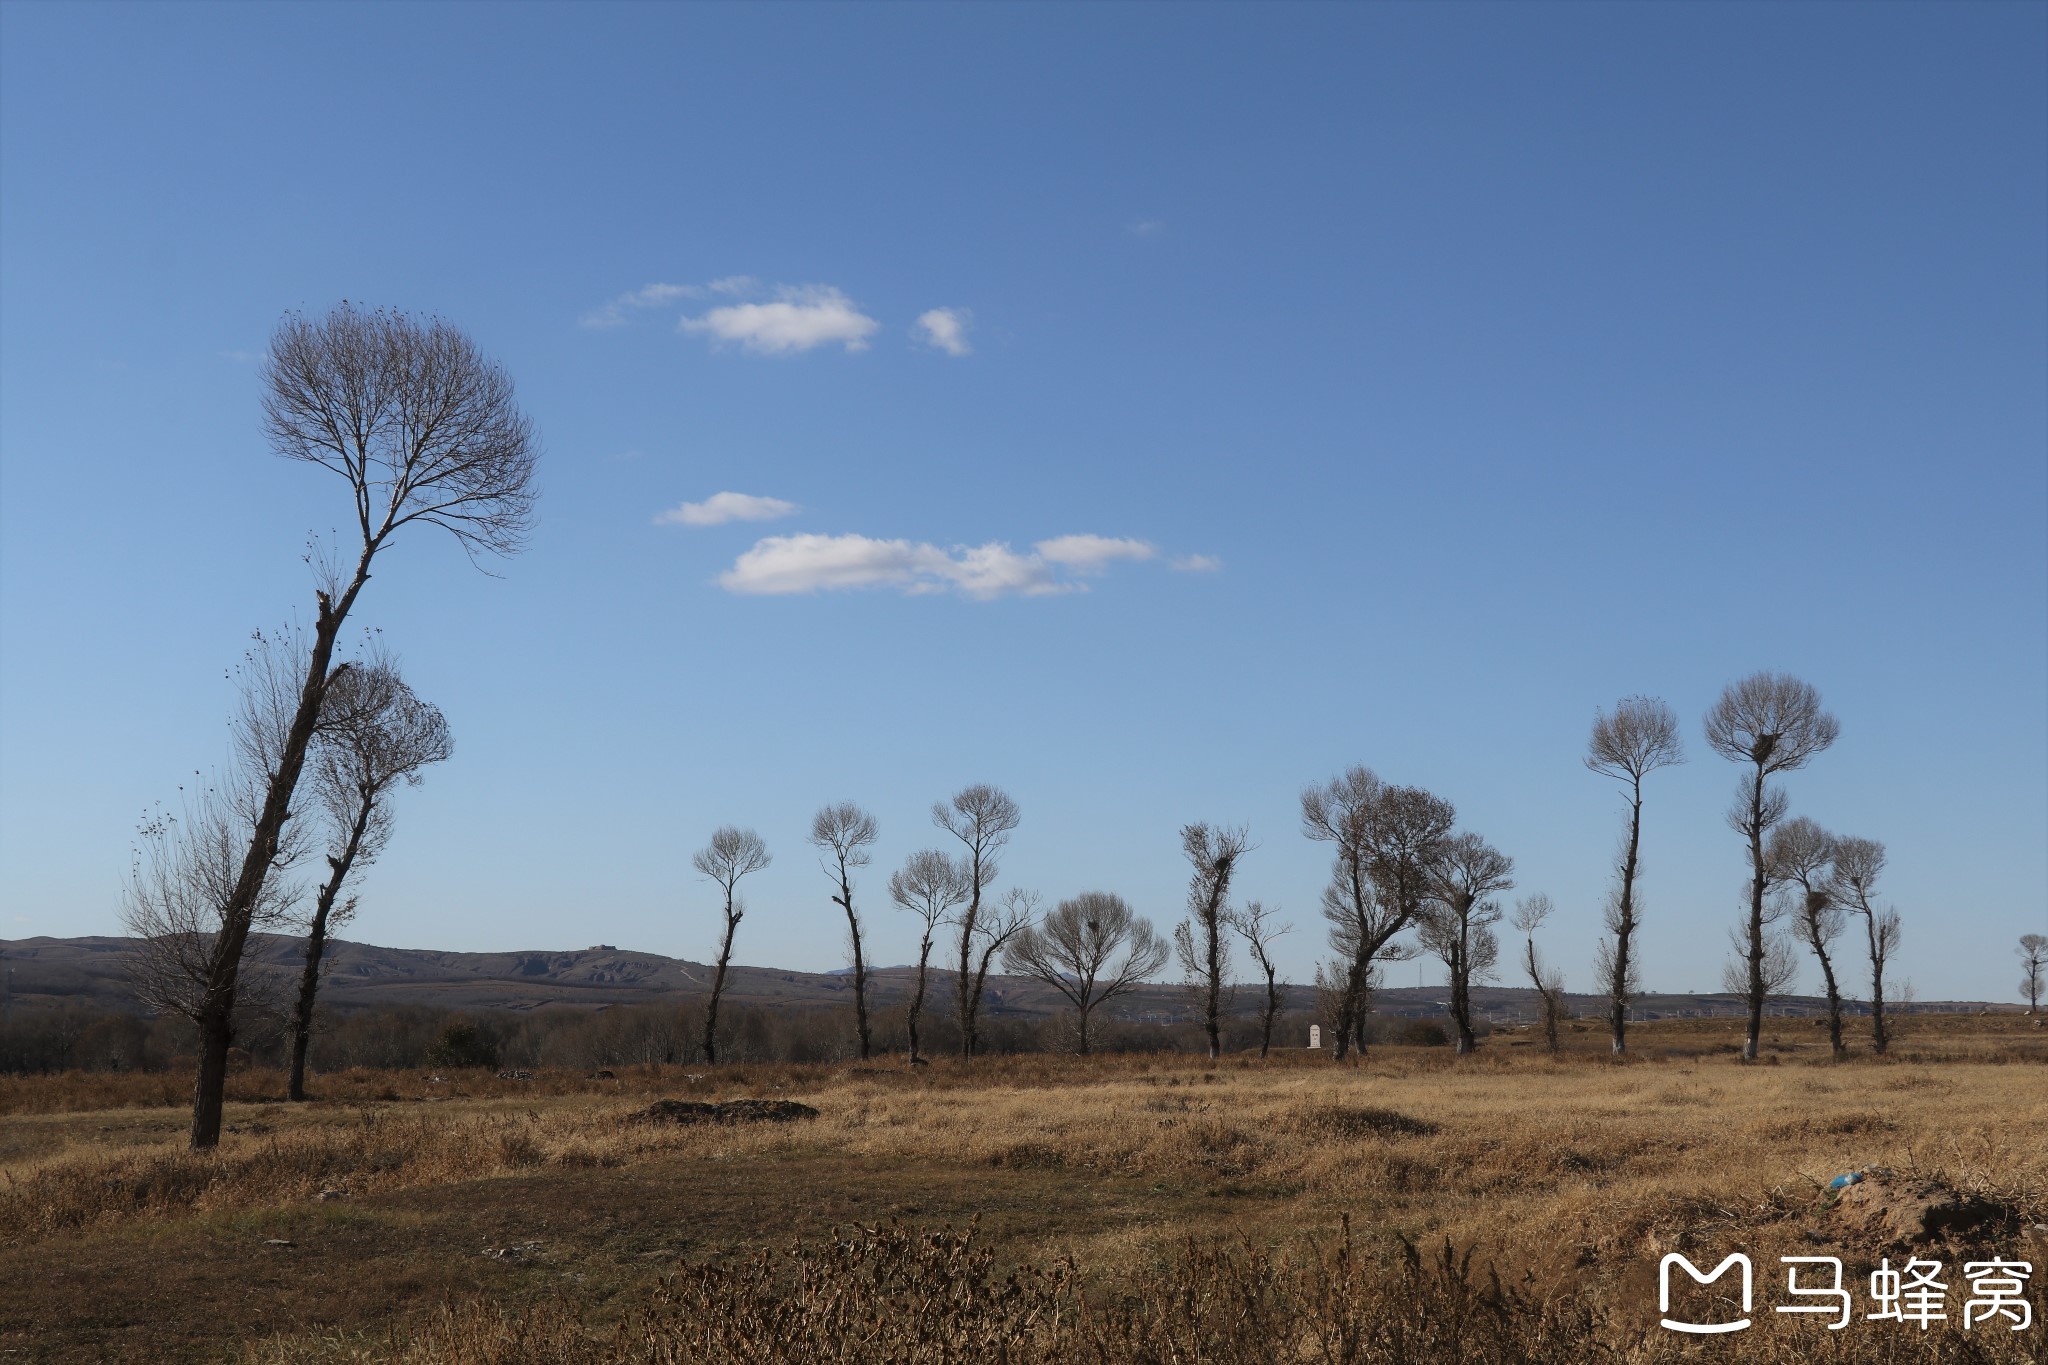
(1457, 369)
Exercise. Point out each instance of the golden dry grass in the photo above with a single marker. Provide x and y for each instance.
(1572, 1176)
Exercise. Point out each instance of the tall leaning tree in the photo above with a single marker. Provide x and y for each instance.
(982, 818)
(425, 431)
(1213, 852)
(733, 853)
(1637, 738)
(1858, 865)
(375, 736)
(844, 835)
(1772, 723)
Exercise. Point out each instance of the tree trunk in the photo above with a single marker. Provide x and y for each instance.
(924, 953)
(974, 1001)
(316, 947)
(216, 1035)
(1461, 998)
(1272, 1009)
(1756, 917)
(860, 971)
(1878, 1037)
(1618, 986)
(1827, 971)
(216, 1016)
(718, 984)
(302, 1011)
(1363, 1008)
(969, 997)
(1213, 997)
(1347, 1012)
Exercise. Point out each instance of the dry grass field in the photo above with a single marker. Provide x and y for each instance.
(1505, 1206)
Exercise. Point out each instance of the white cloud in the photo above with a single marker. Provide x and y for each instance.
(801, 317)
(1145, 227)
(720, 508)
(1091, 554)
(946, 329)
(781, 565)
(614, 314)
(1196, 564)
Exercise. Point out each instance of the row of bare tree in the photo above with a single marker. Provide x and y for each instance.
(1090, 948)
(1400, 865)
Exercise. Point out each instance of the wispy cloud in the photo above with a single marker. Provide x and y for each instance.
(781, 565)
(1196, 564)
(1145, 227)
(243, 357)
(801, 316)
(946, 329)
(721, 508)
(1091, 554)
(615, 313)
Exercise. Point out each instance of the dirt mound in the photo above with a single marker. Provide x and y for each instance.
(1902, 1209)
(732, 1111)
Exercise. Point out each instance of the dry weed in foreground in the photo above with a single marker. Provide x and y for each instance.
(894, 1297)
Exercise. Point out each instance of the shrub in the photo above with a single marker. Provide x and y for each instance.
(464, 1045)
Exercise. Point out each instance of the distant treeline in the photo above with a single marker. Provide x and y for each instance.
(73, 1037)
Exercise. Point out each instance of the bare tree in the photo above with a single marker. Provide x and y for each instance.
(1802, 858)
(981, 817)
(1858, 865)
(424, 429)
(999, 926)
(2033, 951)
(1530, 914)
(928, 885)
(1255, 925)
(375, 734)
(1388, 839)
(1774, 723)
(1458, 919)
(843, 834)
(1072, 951)
(1339, 812)
(731, 855)
(1639, 738)
(1204, 953)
